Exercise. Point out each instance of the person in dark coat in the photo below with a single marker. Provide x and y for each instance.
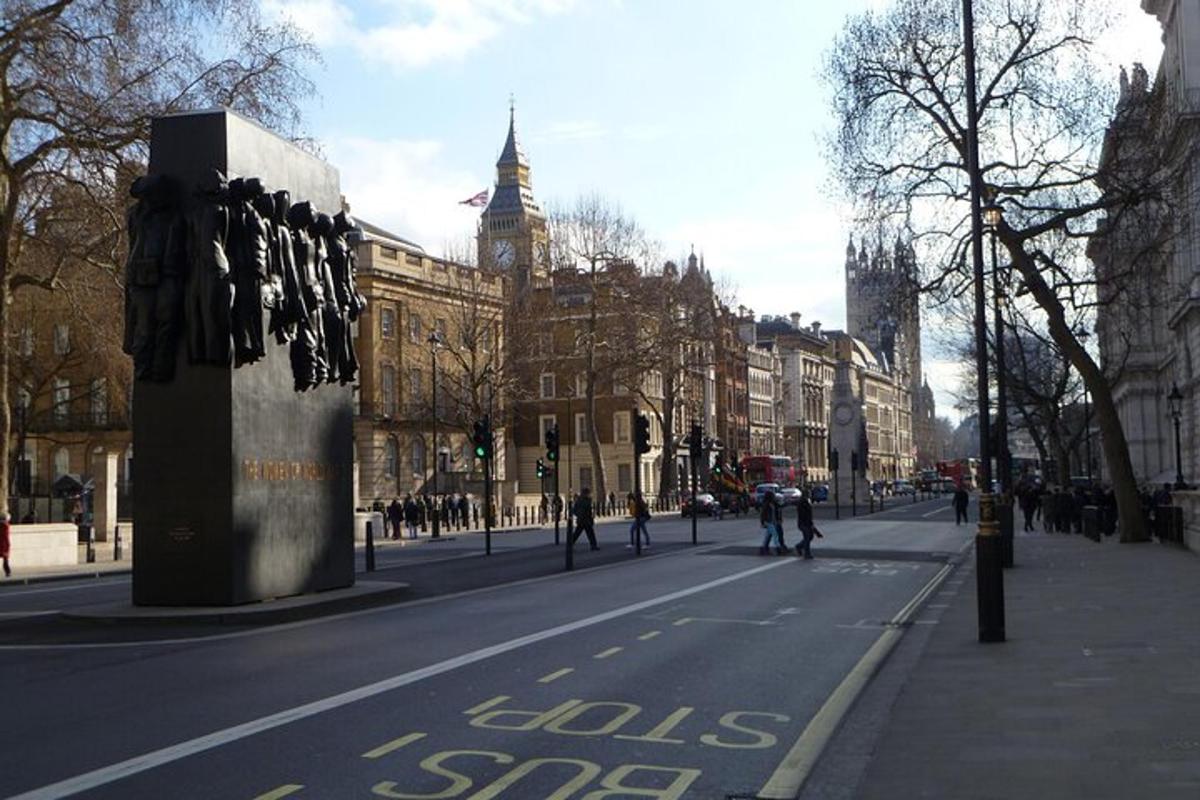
(585, 518)
(804, 520)
(1027, 497)
(412, 516)
(961, 499)
(395, 515)
(5, 542)
(464, 511)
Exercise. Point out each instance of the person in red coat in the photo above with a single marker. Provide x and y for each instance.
(5, 541)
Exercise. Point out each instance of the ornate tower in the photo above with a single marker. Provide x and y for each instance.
(512, 230)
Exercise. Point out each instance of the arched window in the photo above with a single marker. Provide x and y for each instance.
(62, 462)
(418, 456)
(391, 457)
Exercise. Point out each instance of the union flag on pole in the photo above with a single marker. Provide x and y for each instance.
(476, 201)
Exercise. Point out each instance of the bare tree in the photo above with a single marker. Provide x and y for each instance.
(897, 82)
(80, 81)
(594, 238)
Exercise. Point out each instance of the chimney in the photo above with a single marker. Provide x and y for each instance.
(795, 315)
(816, 327)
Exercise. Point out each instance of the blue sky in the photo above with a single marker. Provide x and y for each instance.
(702, 119)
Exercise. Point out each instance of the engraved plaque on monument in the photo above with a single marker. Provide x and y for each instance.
(243, 484)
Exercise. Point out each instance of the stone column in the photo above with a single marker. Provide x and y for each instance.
(104, 497)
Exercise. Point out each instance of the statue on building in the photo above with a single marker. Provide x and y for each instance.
(248, 256)
(349, 302)
(208, 293)
(309, 367)
(154, 275)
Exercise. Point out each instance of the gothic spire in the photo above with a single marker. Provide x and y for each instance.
(512, 152)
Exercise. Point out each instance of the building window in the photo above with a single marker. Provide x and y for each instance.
(412, 260)
(545, 423)
(621, 427)
(388, 252)
(62, 462)
(439, 326)
(62, 339)
(25, 344)
(624, 478)
(391, 457)
(387, 323)
(62, 399)
(581, 429)
(387, 390)
(414, 390)
(547, 385)
(545, 343)
(581, 385)
(418, 456)
(99, 401)
(414, 327)
(585, 477)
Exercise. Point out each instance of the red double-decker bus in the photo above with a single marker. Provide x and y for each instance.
(768, 469)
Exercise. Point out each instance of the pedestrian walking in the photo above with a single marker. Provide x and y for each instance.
(772, 526)
(5, 541)
(640, 512)
(961, 499)
(1027, 498)
(412, 515)
(585, 518)
(395, 515)
(804, 520)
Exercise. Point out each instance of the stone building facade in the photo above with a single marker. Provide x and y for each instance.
(411, 296)
(871, 414)
(1147, 267)
(805, 391)
(883, 310)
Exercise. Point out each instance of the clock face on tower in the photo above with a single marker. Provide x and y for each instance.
(503, 253)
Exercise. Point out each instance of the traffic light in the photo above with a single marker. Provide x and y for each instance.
(641, 441)
(541, 469)
(552, 444)
(482, 438)
(696, 442)
(717, 470)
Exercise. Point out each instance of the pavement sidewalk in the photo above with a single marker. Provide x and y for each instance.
(1095, 694)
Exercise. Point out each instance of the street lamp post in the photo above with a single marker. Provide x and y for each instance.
(1082, 335)
(989, 575)
(435, 341)
(1175, 399)
(993, 215)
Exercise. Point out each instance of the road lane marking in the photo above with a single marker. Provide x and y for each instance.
(683, 621)
(791, 773)
(394, 745)
(305, 623)
(935, 511)
(553, 676)
(612, 651)
(166, 755)
(648, 635)
(282, 791)
(499, 699)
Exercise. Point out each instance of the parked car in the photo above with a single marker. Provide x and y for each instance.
(903, 487)
(761, 489)
(818, 493)
(704, 504)
(789, 495)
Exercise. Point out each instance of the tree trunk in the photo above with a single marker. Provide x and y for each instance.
(7, 217)
(668, 480)
(1112, 436)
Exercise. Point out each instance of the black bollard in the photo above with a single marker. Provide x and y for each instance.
(91, 544)
(117, 543)
(370, 549)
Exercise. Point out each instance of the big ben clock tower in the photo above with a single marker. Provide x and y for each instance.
(512, 230)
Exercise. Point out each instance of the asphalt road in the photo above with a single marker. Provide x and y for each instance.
(705, 671)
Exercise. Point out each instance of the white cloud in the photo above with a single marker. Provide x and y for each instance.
(326, 21)
(410, 34)
(779, 264)
(403, 186)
